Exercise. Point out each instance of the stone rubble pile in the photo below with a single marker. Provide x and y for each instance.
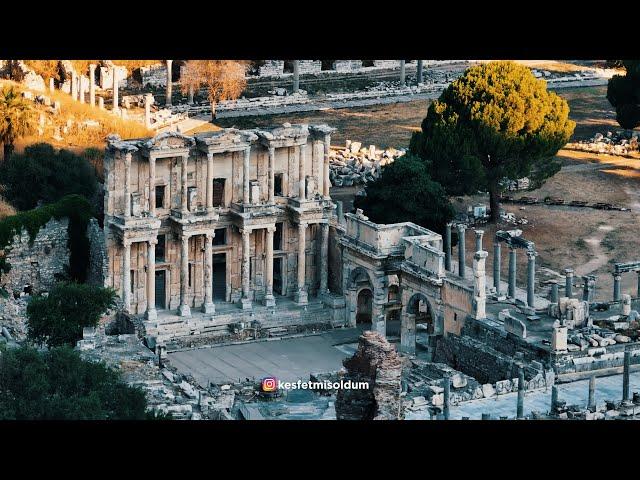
(622, 142)
(377, 363)
(357, 165)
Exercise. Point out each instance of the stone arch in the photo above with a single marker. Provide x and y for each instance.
(358, 281)
(364, 306)
(418, 310)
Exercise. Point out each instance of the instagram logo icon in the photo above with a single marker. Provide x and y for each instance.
(269, 384)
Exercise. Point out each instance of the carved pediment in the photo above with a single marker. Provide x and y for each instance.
(169, 141)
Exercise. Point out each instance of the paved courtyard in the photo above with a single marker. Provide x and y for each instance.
(286, 359)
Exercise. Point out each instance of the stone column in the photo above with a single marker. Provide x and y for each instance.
(479, 284)
(616, 287)
(520, 409)
(479, 234)
(496, 266)
(327, 183)
(208, 306)
(512, 272)
(419, 73)
(626, 387)
(301, 294)
(568, 282)
(246, 281)
(408, 333)
(101, 103)
(638, 287)
(296, 76)
(81, 88)
(127, 184)
(92, 84)
(324, 258)
(446, 383)
(209, 181)
(245, 176)
(402, 73)
(169, 84)
(152, 185)
(554, 399)
(126, 275)
(626, 304)
(152, 314)
(591, 404)
(269, 299)
(447, 248)
(461, 251)
(302, 168)
(531, 277)
(184, 310)
(74, 85)
(116, 99)
(554, 291)
(147, 110)
(184, 203)
(52, 85)
(190, 100)
(272, 175)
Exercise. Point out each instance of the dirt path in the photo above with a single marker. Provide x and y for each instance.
(599, 258)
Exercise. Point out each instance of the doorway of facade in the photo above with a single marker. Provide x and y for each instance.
(219, 276)
(161, 289)
(365, 306)
(277, 276)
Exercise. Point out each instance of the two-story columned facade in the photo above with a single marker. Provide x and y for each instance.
(230, 216)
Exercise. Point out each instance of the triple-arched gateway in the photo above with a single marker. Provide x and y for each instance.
(394, 274)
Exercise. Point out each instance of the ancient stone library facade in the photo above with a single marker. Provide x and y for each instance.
(235, 225)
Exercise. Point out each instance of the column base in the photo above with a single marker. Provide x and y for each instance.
(152, 314)
(184, 311)
(301, 297)
(269, 301)
(208, 308)
(246, 304)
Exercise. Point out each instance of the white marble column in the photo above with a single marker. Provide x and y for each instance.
(302, 162)
(169, 83)
(269, 299)
(126, 275)
(272, 178)
(245, 176)
(92, 84)
(152, 314)
(81, 88)
(127, 184)
(323, 265)
(208, 306)
(116, 100)
(184, 200)
(245, 302)
(152, 186)
(325, 177)
(301, 295)
(209, 181)
(183, 309)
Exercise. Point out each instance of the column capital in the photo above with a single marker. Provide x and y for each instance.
(152, 241)
(271, 228)
(245, 230)
(210, 235)
(532, 254)
(272, 149)
(127, 242)
(209, 155)
(303, 225)
(186, 236)
(127, 157)
(461, 227)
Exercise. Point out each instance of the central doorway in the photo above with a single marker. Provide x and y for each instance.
(219, 276)
(161, 289)
(365, 306)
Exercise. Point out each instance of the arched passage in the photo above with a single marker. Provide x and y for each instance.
(360, 297)
(417, 323)
(364, 306)
(393, 315)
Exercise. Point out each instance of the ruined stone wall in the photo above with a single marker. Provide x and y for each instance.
(97, 254)
(39, 263)
(154, 75)
(458, 303)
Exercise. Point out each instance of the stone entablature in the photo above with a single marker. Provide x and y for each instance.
(224, 193)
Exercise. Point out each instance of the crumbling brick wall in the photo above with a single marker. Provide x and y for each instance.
(97, 254)
(377, 363)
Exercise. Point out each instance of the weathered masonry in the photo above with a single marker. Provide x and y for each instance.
(231, 216)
